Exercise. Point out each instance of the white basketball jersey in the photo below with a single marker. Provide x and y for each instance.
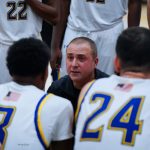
(30, 120)
(17, 20)
(93, 15)
(114, 114)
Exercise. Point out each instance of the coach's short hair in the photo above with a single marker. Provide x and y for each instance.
(28, 57)
(133, 49)
(91, 43)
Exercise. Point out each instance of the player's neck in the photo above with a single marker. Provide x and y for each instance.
(135, 75)
(25, 80)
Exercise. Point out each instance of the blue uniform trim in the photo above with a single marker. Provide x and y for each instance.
(55, 74)
(36, 121)
(80, 101)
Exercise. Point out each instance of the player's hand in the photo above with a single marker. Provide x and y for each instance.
(55, 58)
(0, 146)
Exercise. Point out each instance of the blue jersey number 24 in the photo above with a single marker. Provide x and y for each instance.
(126, 119)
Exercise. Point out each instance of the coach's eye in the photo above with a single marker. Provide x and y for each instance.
(81, 58)
(70, 58)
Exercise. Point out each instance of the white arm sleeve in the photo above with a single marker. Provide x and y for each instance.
(63, 129)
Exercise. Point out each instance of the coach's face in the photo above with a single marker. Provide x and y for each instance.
(80, 63)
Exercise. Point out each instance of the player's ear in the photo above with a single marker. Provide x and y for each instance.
(41, 79)
(117, 65)
(45, 75)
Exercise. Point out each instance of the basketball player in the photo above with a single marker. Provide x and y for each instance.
(30, 119)
(20, 19)
(114, 112)
(100, 20)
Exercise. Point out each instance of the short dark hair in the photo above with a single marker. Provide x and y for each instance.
(28, 57)
(133, 49)
(87, 40)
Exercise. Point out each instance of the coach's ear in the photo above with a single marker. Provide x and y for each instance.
(117, 65)
(96, 61)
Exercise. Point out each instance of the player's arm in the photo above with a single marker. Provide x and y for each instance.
(58, 32)
(62, 134)
(148, 12)
(48, 11)
(134, 12)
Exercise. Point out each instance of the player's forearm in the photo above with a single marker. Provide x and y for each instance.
(148, 12)
(59, 29)
(46, 11)
(134, 12)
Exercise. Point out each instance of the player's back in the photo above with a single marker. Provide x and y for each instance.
(17, 20)
(115, 114)
(96, 15)
(29, 117)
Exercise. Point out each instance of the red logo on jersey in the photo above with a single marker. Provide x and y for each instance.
(12, 96)
(124, 87)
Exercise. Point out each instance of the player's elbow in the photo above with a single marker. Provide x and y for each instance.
(53, 19)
